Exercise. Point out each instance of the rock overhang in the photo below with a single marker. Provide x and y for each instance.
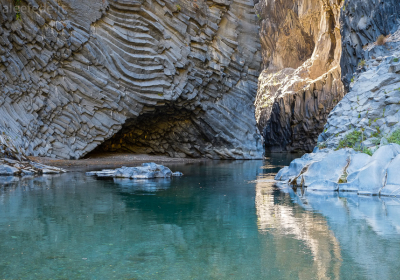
(70, 81)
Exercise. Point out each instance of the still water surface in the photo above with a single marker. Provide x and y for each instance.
(216, 222)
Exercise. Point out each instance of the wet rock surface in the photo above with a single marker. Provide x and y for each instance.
(172, 78)
(301, 82)
(146, 171)
(346, 170)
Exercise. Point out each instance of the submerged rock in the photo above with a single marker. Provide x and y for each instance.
(346, 170)
(146, 171)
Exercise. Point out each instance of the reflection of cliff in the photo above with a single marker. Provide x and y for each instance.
(367, 228)
(310, 228)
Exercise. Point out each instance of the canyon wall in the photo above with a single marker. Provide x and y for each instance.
(177, 78)
(301, 82)
(362, 22)
(359, 147)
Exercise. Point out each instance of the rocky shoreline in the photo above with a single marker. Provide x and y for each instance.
(13, 162)
(359, 150)
(346, 170)
(112, 161)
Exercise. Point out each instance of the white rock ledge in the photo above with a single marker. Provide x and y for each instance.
(346, 170)
(146, 171)
(11, 167)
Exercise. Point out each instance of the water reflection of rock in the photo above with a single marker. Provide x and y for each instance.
(286, 219)
(203, 227)
(367, 228)
(143, 185)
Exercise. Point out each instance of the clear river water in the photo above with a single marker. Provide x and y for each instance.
(221, 220)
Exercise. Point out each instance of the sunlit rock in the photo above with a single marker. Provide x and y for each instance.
(301, 82)
(346, 170)
(146, 171)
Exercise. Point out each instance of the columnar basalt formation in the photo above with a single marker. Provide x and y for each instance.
(169, 77)
(358, 150)
(362, 24)
(301, 82)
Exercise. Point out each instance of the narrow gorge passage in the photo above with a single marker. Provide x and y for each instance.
(301, 82)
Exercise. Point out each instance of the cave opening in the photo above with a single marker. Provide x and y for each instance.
(167, 131)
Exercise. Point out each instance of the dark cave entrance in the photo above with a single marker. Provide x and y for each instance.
(167, 131)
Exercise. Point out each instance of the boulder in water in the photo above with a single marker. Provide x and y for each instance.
(146, 171)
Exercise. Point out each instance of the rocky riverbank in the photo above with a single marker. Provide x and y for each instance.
(346, 170)
(13, 162)
(113, 160)
(359, 148)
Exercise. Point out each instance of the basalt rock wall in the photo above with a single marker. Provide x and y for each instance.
(362, 22)
(301, 82)
(169, 77)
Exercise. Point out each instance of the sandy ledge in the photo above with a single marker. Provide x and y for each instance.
(112, 160)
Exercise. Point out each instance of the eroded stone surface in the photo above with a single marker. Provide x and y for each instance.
(302, 80)
(74, 73)
(362, 22)
(346, 170)
(146, 171)
(372, 106)
(10, 167)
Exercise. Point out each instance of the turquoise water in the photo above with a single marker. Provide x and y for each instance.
(216, 222)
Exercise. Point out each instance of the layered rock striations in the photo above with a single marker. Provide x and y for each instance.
(301, 82)
(168, 77)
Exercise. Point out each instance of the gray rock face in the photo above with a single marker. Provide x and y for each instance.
(372, 106)
(6, 170)
(301, 82)
(367, 119)
(146, 171)
(168, 77)
(10, 167)
(362, 22)
(346, 170)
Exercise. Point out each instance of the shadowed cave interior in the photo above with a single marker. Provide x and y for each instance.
(165, 131)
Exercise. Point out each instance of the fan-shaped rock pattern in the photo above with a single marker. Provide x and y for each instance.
(170, 77)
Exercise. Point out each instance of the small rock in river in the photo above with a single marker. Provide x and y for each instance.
(146, 171)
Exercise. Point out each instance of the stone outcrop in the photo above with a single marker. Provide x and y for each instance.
(346, 170)
(301, 82)
(370, 110)
(13, 162)
(10, 167)
(146, 171)
(358, 151)
(168, 77)
(362, 22)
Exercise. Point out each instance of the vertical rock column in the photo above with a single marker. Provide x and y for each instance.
(301, 82)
